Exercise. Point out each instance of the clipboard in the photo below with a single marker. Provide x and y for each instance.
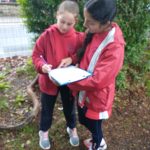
(70, 74)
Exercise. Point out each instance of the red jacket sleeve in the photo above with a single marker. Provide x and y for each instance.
(106, 70)
(38, 50)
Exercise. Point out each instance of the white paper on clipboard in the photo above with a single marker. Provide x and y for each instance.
(68, 75)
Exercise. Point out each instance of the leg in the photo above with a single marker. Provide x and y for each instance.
(47, 102)
(96, 131)
(94, 126)
(68, 103)
(70, 116)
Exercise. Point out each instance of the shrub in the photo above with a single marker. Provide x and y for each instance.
(39, 14)
(134, 19)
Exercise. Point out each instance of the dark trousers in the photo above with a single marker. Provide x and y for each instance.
(48, 103)
(94, 126)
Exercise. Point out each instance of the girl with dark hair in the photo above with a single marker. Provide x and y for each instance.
(102, 54)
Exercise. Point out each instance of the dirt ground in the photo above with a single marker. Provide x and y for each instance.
(127, 129)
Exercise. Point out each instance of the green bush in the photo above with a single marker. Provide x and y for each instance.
(39, 14)
(134, 19)
(122, 82)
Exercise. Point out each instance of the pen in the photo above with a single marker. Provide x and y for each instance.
(50, 66)
(43, 59)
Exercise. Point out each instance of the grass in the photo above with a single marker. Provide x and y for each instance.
(19, 100)
(25, 138)
(4, 86)
(28, 69)
(2, 76)
(3, 103)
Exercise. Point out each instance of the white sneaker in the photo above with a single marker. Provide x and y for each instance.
(44, 140)
(74, 139)
(88, 144)
(103, 145)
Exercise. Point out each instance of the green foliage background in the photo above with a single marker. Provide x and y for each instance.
(133, 16)
(39, 14)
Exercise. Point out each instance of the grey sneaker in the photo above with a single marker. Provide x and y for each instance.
(74, 139)
(44, 140)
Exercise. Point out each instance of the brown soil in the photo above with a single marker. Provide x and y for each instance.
(127, 129)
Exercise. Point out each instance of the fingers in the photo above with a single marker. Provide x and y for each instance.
(46, 68)
(65, 62)
(62, 64)
(50, 66)
(77, 65)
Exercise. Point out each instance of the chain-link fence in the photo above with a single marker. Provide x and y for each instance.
(14, 37)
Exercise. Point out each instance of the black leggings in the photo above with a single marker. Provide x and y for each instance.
(94, 126)
(48, 103)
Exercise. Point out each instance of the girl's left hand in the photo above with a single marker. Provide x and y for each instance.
(65, 62)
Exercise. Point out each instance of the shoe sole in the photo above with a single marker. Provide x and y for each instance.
(70, 140)
(47, 148)
(73, 144)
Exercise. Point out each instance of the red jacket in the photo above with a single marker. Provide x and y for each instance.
(54, 46)
(100, 87)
